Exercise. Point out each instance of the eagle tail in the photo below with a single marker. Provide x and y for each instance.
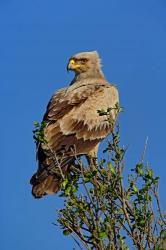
(48, 186)
(48, 181)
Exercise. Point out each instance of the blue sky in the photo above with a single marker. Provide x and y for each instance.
(36, 39)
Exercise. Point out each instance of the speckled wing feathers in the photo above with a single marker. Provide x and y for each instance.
(72, 116)
(72, 120)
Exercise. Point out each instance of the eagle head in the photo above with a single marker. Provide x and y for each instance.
(84, 62)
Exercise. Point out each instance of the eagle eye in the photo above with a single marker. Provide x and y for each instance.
(84, 60)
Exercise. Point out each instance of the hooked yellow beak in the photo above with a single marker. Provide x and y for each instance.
(72, 65)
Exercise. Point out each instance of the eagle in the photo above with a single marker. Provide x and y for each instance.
(73, 125)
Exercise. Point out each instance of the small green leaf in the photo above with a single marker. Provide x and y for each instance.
(102, 235)
(135, 189)
(112, 169)
(64, 183)
(36, 124)
(67, 232)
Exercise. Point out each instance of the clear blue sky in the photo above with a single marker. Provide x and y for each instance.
(36, 39)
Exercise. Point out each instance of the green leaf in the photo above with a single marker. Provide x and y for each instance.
(36, 124)
(135, 189)
(64, 183)
(151, 173)
(68, 190)
(66, 232)
(112, 169)
(142, 223)
(102, 235)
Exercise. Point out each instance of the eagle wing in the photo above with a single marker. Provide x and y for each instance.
(73, 120)
(75, 111)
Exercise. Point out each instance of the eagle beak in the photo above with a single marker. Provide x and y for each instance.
(68, 68)
(71, 65)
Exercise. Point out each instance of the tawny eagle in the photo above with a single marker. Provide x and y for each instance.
(73, 124)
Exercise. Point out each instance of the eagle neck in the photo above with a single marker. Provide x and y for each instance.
(90, 75)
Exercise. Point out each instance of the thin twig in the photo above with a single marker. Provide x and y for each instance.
(76, 241)
(79, 236)
(144, 151)
(56, 161)
(159, 208)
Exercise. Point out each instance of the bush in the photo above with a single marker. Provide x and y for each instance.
(102, 213)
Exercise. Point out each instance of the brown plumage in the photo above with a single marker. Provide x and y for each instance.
(74, 127)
